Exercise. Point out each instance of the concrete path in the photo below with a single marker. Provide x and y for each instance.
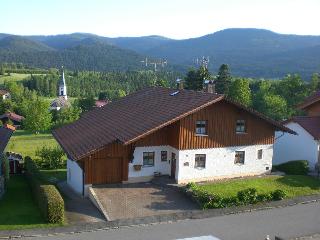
(128, 201)
(78, 209)
(288, 222)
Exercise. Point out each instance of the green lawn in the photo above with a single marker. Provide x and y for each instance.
(15, 77)
(293, 185)
(17, 208)
(54, 176)
(27, 143)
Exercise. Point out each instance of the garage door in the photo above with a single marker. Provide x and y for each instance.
(107, 170)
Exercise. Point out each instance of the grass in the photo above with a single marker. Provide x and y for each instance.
(17, 208)
(293, 185)
(27, 143)
(54, 176)
(15, 77)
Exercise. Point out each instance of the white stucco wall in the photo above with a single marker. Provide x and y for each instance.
(74, 176)
(220, 163)
(289, 147)
(163, 167)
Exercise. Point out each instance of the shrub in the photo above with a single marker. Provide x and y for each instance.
(51, 158)
(264, 197)
(298, 167)
(48, 198)
(247, 196)
(278, 195)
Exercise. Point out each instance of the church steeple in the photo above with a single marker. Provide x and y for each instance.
(62, 85)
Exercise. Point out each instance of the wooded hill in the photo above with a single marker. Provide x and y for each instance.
(249, 52)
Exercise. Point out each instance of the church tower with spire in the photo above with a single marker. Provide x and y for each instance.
(62, 86)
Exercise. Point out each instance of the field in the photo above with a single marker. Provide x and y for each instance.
(27, 143)
(293, 185)
(16, 77)
(17, 208)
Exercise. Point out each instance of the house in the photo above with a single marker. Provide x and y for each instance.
(305, 145)
(101, 103)
(62, 100)
(188, 135)
(4, 94)
(15, 118)
(5, 135)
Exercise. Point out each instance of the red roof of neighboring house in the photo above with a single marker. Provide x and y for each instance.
(13, 128)
(12, 116)
(309, 100)
(101, 103)
(5, 135)
(310, 124)
(3, 92)
(135, 116)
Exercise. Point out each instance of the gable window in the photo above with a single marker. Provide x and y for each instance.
(239, 157)
(164, 156)
(240, 126)
(148, 159)
(201, 127)
(260, 154)
(200, 161)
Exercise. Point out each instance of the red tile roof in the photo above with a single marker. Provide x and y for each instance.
(310, 124)
(309, 100)
(3, 92)
(101, 103)
(135, 116)
(12, 116)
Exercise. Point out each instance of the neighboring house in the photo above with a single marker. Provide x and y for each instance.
(4, 94)
(15, 118)
(5, 135)
(305, 145)
(15, 162)
(189, 135)
(62, 100)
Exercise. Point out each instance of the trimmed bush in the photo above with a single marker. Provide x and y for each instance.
(208, 200)
(298, 167)
(48, 198)
(278, 195)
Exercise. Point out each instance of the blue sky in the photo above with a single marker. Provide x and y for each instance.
(177, 19)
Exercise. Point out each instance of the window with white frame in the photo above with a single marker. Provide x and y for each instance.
(239, 157)
(200, 161)
(241, 126)
(148, 159)
(201, 127)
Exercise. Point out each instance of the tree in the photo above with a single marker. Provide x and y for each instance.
(2, 71)
(223, 79)
(275, 107)
(240, 92)
(66, 115)
(51, 158)
(85, 103)
(38, 117)
(315, 82)
(195, 79)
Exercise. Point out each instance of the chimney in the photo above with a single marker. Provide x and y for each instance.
(179, 84)
(210, 86)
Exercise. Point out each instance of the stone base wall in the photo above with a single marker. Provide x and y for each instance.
(2, 189)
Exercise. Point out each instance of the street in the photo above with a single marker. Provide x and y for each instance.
(298, 220)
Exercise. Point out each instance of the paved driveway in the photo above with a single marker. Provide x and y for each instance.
(141, 200)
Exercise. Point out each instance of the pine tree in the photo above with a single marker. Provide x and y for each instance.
(223, 80)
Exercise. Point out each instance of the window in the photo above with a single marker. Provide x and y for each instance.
(164, 156)
(200, 161)
(201, 127)
(239, 157)
(148, 159)
(260, 154)
(241, 126)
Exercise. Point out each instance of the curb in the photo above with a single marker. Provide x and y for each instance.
(195, 214)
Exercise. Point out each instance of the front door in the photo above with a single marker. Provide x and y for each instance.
(173, 165)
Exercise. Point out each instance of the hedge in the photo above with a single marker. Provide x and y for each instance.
(244, 197)
(48, 198)
(298, 167)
